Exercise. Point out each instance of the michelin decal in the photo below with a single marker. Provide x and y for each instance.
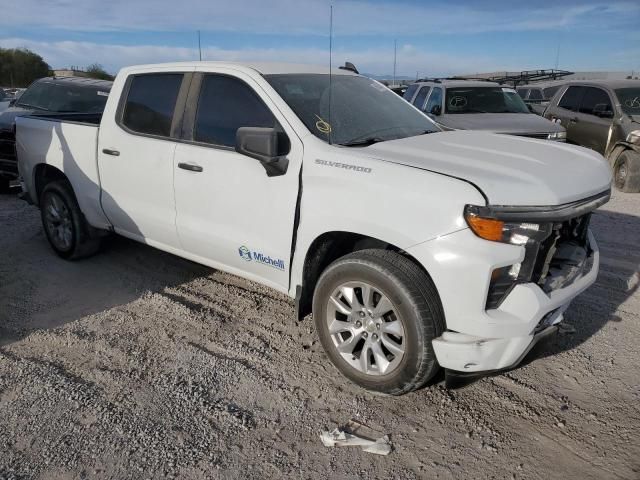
(259, 257)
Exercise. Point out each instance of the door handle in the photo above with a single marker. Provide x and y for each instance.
(573, 120)
(190, 166)
(109, 151)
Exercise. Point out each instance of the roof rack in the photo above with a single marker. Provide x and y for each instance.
(524, 77)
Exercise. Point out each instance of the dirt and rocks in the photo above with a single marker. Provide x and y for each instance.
(137, 364)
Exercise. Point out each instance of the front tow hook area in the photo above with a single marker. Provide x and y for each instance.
(454, 380)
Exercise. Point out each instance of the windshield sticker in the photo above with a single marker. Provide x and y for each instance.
(633, 102)
(458, 102)
(102, 94)
(508, 90)
(378, 86)
(322, 126)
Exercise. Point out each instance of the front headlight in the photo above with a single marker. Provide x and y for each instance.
(558, 136)
(526, 234)
(497, 230)
(634, 137)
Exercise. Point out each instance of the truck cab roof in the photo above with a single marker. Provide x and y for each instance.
(263, 68)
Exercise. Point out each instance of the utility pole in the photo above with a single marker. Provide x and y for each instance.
(395, 53)
(199, 47)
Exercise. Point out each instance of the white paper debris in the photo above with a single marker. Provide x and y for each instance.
(340, 438)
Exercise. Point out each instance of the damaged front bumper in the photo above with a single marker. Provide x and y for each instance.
(538, 310)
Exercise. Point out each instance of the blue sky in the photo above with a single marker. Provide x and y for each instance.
(433, 37)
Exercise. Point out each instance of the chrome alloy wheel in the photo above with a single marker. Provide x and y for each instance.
(58, 222)
(365, 328)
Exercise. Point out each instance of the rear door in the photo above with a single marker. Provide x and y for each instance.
(230, 213)
(135, 157)
(595, 116)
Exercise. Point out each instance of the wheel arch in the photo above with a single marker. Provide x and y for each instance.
(324, 250)
(43, 174)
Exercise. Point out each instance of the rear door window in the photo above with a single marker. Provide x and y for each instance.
(151, 102)
(421, 97)
(535, 94)
(595, 97)
(572, 98)
(226, 104)
(550, 92)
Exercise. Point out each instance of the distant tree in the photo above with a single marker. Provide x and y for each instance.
(19, 67)
(95, 70)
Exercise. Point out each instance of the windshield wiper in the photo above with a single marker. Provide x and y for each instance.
(365, 142)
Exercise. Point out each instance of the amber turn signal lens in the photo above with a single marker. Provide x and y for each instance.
(487, 228)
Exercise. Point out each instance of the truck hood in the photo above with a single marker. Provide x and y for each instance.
(509, 170)
(513, 123)
(8, 116)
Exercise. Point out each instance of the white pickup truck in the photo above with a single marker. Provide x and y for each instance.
(415, 249)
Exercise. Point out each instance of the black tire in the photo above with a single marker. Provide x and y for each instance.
(5, 185)
(416, 300)
(626, 172)
(82, 241)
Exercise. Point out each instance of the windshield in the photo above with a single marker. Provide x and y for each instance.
(484, 100)
(63, 98)
(629, 99)
(362, 110)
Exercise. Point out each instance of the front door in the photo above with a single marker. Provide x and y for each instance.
(230, 213)
(136, 159)
(595, 116)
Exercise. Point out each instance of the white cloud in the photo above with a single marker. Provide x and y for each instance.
(351, 17)
(113, 57)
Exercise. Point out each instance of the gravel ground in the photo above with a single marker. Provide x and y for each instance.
(137, 364)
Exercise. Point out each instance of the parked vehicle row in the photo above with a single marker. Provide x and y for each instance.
(69, 95)
(604, 116)
(479, 105)
(414, 248)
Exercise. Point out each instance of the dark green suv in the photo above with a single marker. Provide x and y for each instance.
(603, 115)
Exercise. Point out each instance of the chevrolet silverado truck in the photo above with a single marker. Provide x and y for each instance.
(414, 249)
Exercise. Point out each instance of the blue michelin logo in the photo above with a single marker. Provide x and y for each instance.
(249, 256)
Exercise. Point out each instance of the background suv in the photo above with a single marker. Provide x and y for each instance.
(479, 105)
(603, 115)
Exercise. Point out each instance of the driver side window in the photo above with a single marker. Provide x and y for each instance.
(225, 105)
(434, 99)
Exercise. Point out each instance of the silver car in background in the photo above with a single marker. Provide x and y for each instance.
(480, 105)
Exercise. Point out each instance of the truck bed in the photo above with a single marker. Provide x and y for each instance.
(67, 142)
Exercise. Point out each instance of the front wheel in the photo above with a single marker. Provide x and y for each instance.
(626, 172)
(68, 232)
(376, 313)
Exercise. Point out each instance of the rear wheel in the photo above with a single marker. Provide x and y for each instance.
(68, 232)
(376, 313)
(626, 172)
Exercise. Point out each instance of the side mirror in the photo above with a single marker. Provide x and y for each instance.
(266, 145)
(530, 107)
(436, 110)
(12, 102)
